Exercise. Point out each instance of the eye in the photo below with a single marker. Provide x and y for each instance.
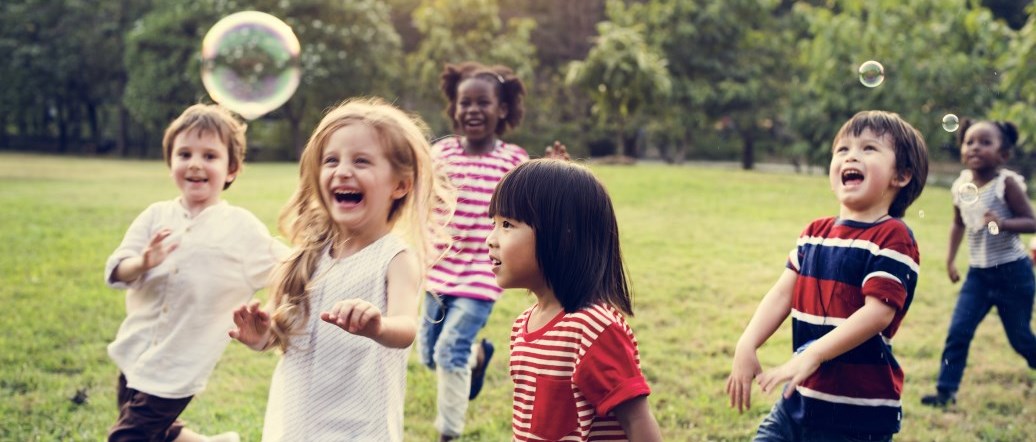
(330, 161)
(870, 147)
(842, 149)
(506, 224)
(210, 156)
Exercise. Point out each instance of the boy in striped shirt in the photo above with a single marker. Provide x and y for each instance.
(848, 284)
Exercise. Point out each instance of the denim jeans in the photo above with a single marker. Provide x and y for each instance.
(1010, 288)
(447, 345)
(779, 427)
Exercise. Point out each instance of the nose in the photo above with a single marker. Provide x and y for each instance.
(344, 170)
(491, 239)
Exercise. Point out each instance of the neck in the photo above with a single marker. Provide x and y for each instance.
(985, 175)
(479, 146)
(193, 209)
(350, 242)
(868, 216)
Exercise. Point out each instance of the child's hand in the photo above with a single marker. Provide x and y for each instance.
(951, 270)
(990, 217)
(355, 316)
(739, 383)
(800, 367)
(558, 152)
(154, 254)
(253, 326)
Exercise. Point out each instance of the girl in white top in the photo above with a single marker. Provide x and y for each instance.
(344, 306)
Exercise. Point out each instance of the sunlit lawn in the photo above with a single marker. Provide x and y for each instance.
(702, 244)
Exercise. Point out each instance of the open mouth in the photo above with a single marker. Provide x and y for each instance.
(197, 180)
(852, 177)
(348, 197)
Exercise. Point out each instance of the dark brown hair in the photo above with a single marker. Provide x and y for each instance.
(911, 151)
(509, 90)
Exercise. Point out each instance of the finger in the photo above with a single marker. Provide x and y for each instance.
(746, 398)
(790, 388)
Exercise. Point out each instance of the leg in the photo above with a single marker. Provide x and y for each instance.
(143, 417)
(431, 326)
(454, 359)
(972, 306)
(777, 426)
(1014, 300)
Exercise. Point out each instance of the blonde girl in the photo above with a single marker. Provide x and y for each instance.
(345, 304)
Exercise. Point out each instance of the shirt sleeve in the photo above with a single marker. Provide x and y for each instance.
(137, 238)
(265, 254)
(609, 373)
(892, 274)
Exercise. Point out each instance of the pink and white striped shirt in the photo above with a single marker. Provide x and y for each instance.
(465, 270)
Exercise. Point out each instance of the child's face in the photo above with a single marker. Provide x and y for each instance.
(512, 251)
(863, 174)
(200, 166)
(357, 182)
(479, 109)
(981, 148)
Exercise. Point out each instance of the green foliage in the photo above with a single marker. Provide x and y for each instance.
(622, 75)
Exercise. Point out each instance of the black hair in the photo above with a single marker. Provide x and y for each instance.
(577, 235)
(509, 90)
(911, 151)
(1008, 133)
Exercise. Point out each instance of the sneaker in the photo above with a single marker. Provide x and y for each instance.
(941, 398)
(478, 374)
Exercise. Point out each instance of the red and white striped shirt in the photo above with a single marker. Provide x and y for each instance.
(569, 374)
(465, 270)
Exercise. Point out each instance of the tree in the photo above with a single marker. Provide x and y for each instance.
(623, 76)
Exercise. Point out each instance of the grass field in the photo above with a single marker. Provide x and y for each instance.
(703, 246)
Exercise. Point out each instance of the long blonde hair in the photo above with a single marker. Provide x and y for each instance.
(419, 217)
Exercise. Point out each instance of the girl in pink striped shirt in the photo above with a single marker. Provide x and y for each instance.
(484, 102)
(574, 359)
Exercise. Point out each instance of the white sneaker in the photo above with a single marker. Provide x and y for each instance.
(229, 436)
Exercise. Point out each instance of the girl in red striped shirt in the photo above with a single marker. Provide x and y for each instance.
(574, 359)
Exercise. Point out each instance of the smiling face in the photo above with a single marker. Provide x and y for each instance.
(982, 149)
(357, 182)
(479, 110)
(512, 250)
(863, 175)
(200, 166)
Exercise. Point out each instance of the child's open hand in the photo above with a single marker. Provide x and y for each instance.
(800, 367)
(355, 316)
(739, 384)
(558, 152)
(252, 326)
(155, 252)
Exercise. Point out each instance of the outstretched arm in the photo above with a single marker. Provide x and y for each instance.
(956, 234)
(397, 327)
(771, 312)
(865, 323)
(637, 421)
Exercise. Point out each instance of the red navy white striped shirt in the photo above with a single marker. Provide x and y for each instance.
(465, 270)
(569, 374)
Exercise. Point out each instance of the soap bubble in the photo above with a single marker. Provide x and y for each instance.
(872, 73)
(968, 193)
(950, 123)
(250, 63)
(993, 228)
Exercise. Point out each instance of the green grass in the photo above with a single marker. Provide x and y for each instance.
(702, 245)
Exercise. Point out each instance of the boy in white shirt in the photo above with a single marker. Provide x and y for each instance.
(188, 263)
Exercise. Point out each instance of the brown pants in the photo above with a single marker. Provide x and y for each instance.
(143, 417)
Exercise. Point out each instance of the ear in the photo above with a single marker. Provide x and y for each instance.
(902, 179)
(232, 173)
(403, 188)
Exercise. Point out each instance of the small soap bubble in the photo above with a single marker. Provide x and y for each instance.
(872, 73)
(968, 193)
(993, 228)
(920, 213)
(250, 63)
(950, 123)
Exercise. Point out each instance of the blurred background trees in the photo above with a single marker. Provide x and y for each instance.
(738, 80)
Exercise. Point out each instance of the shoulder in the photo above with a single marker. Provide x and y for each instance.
(513, 152)
(596, 318)
(1009, 179)
(819, 226)
(241, 217)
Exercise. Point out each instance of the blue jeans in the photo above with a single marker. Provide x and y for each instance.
(448, 332)
(1010, 288)
(778, 426)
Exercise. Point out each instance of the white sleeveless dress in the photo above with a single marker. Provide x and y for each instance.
(332, 385)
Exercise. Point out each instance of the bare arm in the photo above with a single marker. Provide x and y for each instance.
(397, 327)
(956, 233)
(862, 325)
(1022, 219)
(768, 316)
(637, 421)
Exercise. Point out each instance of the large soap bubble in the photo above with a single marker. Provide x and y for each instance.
(250, 63)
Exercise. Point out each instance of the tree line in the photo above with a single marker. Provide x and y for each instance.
(678, 79)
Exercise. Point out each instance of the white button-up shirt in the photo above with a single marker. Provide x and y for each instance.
(178, 313)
